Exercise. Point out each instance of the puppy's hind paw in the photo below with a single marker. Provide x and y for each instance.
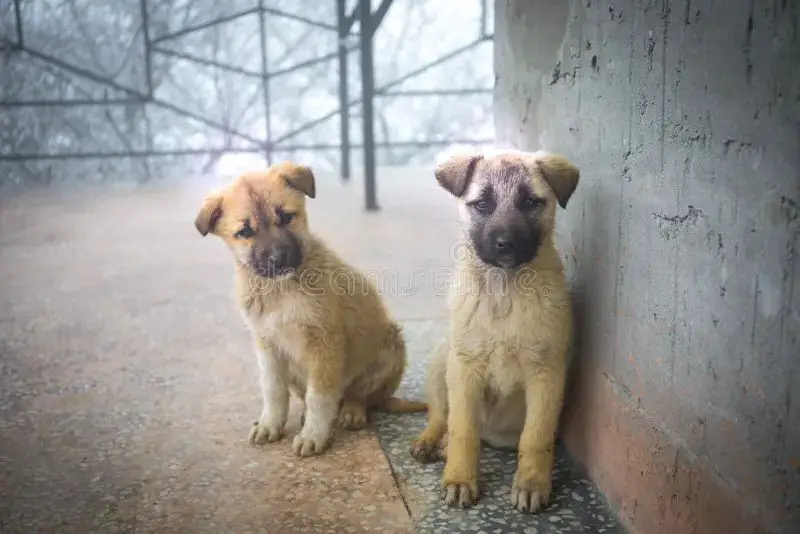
(352, 416)
(262, 433)
(427, 451)
(430, 445)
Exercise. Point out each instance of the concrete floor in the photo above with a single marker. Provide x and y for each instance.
(128, 385)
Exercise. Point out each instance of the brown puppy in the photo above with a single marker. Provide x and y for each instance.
(319, 326)
(500, 375)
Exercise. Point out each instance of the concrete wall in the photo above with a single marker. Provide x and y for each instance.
(681, 241)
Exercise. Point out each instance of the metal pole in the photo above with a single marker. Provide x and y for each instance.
(344, 116)
(367, 92)
(150, 89)
(18, 17)
(484, 20)
(262, 27)
(148, 52)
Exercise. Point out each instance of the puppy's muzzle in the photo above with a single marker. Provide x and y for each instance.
(277, 262)
(508, 249)
(503, 243)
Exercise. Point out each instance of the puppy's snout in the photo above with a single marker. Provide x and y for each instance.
(275, 259)
(508, 246)
(503, 243)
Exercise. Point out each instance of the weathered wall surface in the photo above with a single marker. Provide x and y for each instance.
(682, 242)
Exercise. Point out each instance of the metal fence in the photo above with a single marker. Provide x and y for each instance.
(355, 29)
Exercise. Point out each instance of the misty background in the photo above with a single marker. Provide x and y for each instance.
(76, 102)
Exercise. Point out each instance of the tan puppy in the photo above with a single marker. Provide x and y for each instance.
(319, 326)
(500, 375)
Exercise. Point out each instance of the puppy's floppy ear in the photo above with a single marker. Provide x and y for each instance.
(298, 177)
(209, 213)
(561, 175)
(455, 173)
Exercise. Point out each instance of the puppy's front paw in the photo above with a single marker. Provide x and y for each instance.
(308, 443)
(530, 493)
(462, 492)
(265, 432)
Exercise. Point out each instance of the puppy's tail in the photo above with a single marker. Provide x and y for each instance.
(398, 405)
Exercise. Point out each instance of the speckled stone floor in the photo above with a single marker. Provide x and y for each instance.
(127, 382)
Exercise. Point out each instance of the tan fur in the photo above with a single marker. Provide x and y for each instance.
(499, 377)
(321, 332)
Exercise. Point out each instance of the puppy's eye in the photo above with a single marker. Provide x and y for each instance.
(285, 218)
(481, 206)
(245, 232)
(532, 203)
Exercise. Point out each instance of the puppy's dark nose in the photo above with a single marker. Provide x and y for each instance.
(503, 243)
(276, 259)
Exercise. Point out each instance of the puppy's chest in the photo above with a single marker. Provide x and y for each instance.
(505, 368)
(506, 336)
(282, 323)
(512, 322)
